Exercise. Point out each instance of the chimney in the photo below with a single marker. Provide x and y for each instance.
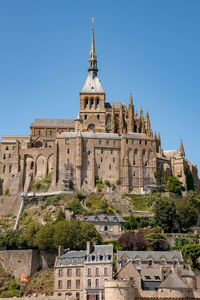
(60, 250)
(89, 247)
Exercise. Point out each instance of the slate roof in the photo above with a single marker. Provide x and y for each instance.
(71, 258)
(54, 122)
(156, 255)
(102, 135)
(12, 139)
(154, 274)
(74, 258)
(104, 219)
(173, 281)
(92, 84)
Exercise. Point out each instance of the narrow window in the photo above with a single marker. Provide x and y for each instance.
(101, 159)
(126, 141)
(39, 132)
(86, 103)
(4, 169)
(13, 147)
(4, 156)
(88, 163)
(9, 155)
(107, 142)
(89, 283)
(50, 133)
(92, 103)
(100, 141)
(98, 116)
(78, 284)
(97, 271)
(10, 169)
(109, 167)
(140, 142)
(69, 284)
(60, 273)
(145, 142)
(86, 141)
(77, 296)
(69, 272)
(67, 141)
(97, 282)
(114, 143)
(7, 148)
(97, 102)
(106, 271)
(78, 272)
(85, 117)
(89, 272)
(111, 228)
(60, 284)
(113, 159)
(132, 142)
(67, 150)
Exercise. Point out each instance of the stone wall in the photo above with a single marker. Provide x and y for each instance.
(27, 262)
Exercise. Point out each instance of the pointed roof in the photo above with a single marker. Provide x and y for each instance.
(181, 149)
(173, 281)
(92, 84)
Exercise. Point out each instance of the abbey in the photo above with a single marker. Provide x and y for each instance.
(107, 140)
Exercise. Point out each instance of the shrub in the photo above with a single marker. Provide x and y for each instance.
(75, 206)
(7, 192)
(107, 183)
(181, 241)
(118, 181)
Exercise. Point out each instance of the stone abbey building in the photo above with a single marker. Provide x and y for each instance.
(107, 140)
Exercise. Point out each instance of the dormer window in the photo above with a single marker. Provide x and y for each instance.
(163, 262)
(175, 263)
(150, 262)
(137, 262)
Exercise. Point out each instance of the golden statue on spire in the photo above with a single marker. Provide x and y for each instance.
(92, 20)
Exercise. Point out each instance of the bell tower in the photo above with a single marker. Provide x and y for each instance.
(92, 96)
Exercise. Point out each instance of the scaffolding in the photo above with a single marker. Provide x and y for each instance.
(67, 177)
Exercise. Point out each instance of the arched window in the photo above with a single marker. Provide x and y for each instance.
(86, 103)
(89, 283)
(97, 103)
(108, 122)
(92, 103)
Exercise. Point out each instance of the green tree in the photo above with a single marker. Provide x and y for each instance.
(12, 240)
(89, 233)
(164, 213)
(174, 185)
(192, 252)
(131, 223)
(61, 216)
(181, 241)
(63, 234)
(189, 180)
(187, 214)
(29, 233)
(44, 238)
(157, 241)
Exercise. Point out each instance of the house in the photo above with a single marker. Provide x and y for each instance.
(111, 227)
(82, 274)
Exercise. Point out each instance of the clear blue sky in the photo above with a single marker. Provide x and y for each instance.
(148, 47)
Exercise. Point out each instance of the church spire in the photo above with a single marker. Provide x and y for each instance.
(93, 56)
(181, 149)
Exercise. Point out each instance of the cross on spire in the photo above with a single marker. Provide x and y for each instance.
(93, 56)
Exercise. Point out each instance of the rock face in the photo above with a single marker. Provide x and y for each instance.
(27, 262)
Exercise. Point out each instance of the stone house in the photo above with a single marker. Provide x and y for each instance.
(107, 140)
(110, 227)
(82, 274)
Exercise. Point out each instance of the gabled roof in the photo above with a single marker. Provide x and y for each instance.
(53, 122)
(104, 219)
(173, 281)
(92, 84)
(156, 255)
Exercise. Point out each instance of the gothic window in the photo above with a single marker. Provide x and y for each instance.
(97, 104)
(145, 142)
(10, 169)
(67, 150)
(108, 122)
(85, 117)
(4, 156)
(92, 103)
(7, 148)
(4, 169)
(98, 117)
(140, 142)
(86, 103)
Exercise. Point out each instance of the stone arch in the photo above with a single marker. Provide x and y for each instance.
(41, 167)
(50, 163)
(167, 169)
